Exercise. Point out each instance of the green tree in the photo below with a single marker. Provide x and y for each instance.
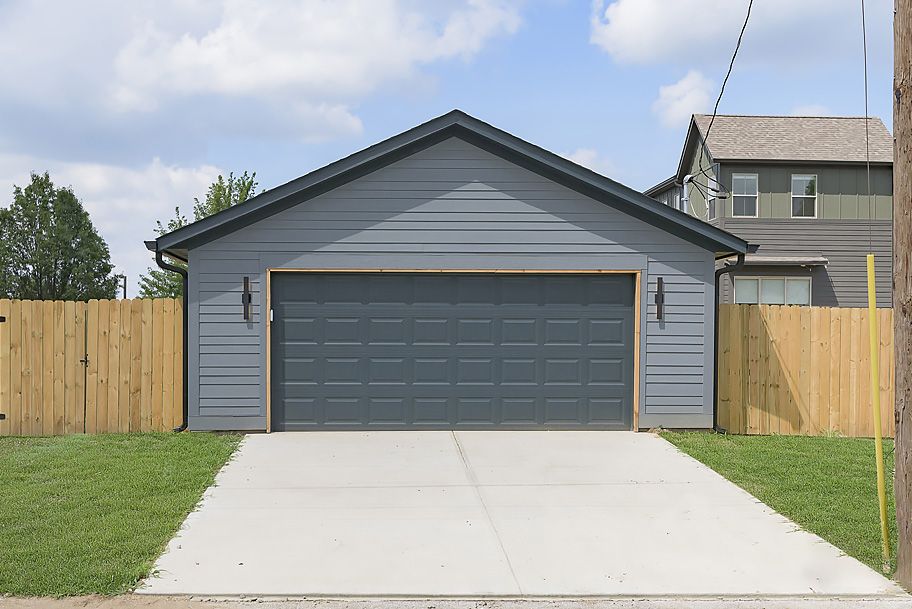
(49, 249)
(222, 194)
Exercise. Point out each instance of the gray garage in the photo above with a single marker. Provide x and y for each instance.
(452, 276)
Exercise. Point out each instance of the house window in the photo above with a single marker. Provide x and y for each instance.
(773, 290)
(744, 195)
(804, 196)
(712, 203)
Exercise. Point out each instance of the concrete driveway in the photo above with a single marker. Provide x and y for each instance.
(490, 513)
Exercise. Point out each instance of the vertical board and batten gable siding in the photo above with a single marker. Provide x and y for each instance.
(450, 206)
(842, 190)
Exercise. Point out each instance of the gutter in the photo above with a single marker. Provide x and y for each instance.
(153, 246)
(725, 270)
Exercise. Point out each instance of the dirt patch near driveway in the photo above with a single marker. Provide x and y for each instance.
(135, 601)
(125, 601)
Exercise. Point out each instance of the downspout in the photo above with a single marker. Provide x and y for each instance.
(184, 283)
(728, 268)
(685, 198)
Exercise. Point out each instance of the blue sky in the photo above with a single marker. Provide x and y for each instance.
(140, 105)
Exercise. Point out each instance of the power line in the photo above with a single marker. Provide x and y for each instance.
(864, 47)
(703, 171)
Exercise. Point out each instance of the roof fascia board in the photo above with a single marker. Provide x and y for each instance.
(691, 140)
(661, 186)
(744, 161)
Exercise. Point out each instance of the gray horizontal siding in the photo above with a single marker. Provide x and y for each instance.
(844, 243)
(452, 206)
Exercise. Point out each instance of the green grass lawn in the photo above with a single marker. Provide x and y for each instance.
(90, 514)
(827, 485)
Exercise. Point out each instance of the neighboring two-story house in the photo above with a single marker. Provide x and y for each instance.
(797, 187)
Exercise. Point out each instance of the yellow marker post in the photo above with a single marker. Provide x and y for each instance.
(875, 400)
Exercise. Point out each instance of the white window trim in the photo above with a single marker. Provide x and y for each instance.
(756, 196)
(793, 195)
(786, 278)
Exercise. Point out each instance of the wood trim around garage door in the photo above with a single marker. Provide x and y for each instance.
(636, 315)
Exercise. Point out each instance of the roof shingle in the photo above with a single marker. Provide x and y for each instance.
(796, 138)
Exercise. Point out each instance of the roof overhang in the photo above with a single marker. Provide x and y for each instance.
(750, 161)
(693, 139)
(774, 260)
(661, 186)
(453, 124)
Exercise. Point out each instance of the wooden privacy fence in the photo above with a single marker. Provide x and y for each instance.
(802, 370)
(90, 367)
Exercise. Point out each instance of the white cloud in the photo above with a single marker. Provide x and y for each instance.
(124, 203)
(590, 158)
(313, 52)
(292, 69)
(699, 32)
(677, 101)
(95, 89)
(811, 110)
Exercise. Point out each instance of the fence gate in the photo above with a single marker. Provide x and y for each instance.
(90, 367)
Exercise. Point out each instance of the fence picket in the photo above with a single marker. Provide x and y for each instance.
(113, 366)
(47, 363)
(5, 368)
(103, 357)
(79, 366)
(58, 371)
(166, 359)
(123, 389)
(157, 352)
(28, 364)
(93, 323)
(70, 362)
(15, 412)
(145, 394)
(134, 400)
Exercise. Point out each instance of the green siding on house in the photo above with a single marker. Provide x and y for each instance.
(842, 190)
(697, 201)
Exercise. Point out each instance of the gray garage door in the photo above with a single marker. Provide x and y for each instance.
(441, 351)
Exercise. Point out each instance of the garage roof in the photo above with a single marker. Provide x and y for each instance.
(452, 124)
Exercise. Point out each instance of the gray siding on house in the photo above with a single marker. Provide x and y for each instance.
(451, 206)
(671, 196)
(844, 243)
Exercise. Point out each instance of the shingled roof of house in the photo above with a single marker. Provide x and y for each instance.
(796, 138)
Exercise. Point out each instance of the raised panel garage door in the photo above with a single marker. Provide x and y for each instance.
(447, 350)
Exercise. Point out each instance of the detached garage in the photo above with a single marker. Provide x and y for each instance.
(452, 276)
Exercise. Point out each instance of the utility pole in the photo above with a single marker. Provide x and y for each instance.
(902, 281)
